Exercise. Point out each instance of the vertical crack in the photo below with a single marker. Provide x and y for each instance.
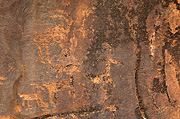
(164, 74)
(139, 98)
(154, 103)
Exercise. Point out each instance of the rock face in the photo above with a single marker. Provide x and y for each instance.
(90, 59)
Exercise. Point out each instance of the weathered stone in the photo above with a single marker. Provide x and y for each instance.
(63, 59)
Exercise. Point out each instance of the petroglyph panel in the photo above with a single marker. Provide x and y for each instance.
(63, 59)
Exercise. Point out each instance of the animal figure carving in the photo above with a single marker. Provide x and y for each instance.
(33, 96)
(53, 87)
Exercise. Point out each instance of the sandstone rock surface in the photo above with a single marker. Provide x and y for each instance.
(89, 59)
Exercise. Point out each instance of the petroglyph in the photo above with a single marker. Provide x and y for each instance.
(106, 76)
(8, 63)
(33, 97)
(69, 69)
(28, 97)
(54, 36)
(5, 117)
(53, 87)
(2, 79)
(89, 59)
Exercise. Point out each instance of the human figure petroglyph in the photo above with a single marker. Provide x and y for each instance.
(107, 74)
(109, 60)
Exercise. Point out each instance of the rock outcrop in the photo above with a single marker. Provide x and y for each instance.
(87, 59)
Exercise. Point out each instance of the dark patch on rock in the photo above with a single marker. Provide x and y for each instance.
(158, 86)
(138, 113)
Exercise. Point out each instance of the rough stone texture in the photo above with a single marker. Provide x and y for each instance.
(89, 59)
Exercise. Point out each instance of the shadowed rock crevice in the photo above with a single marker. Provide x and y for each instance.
(92, 110)
(139, 98)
